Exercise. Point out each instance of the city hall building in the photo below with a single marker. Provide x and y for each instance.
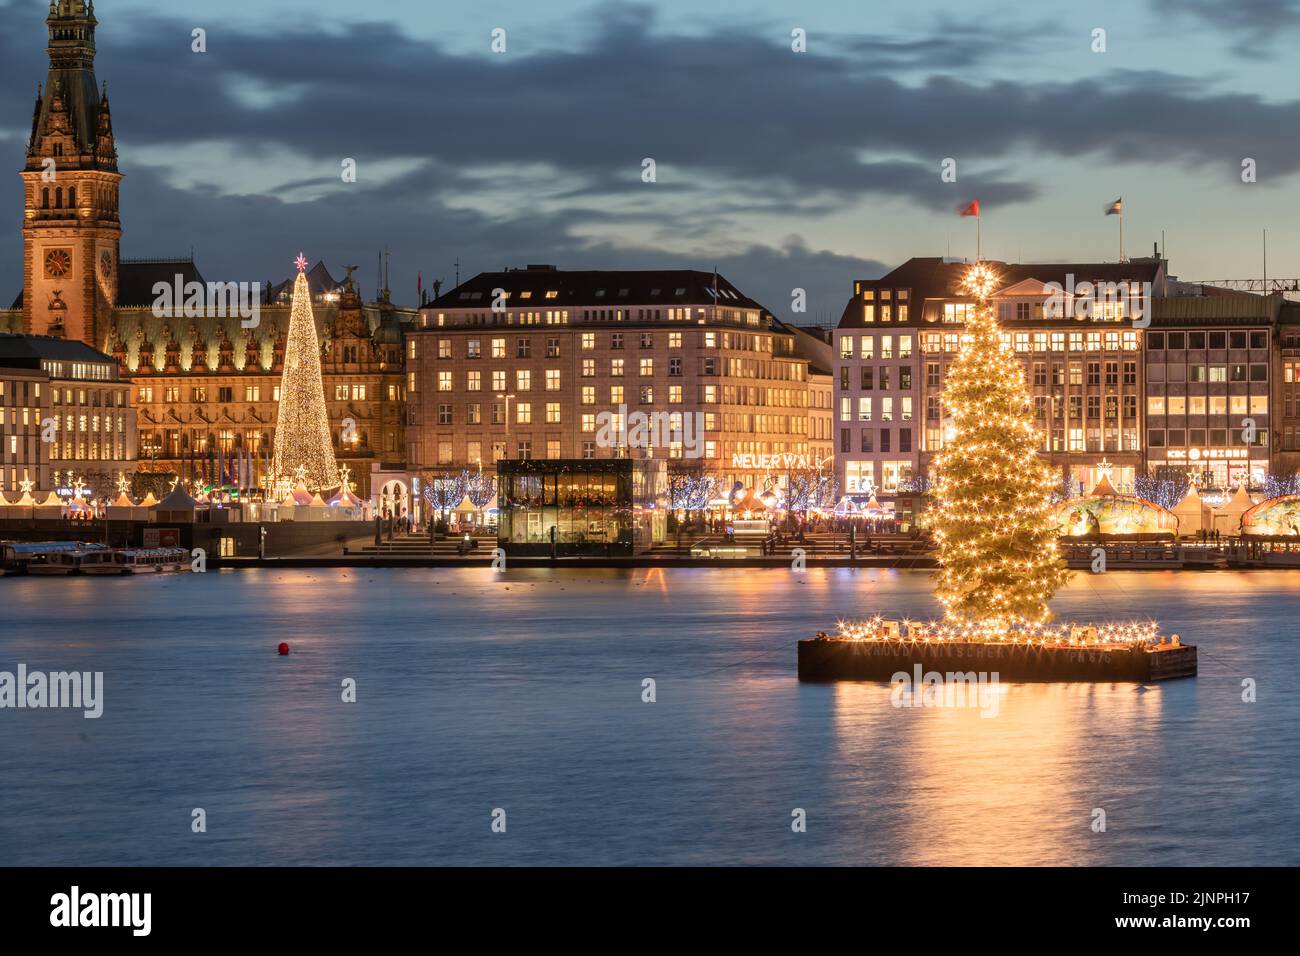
(204, 387)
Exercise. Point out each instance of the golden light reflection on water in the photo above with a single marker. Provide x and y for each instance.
(1016, 788)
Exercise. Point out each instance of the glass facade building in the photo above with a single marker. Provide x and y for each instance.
(584, 506)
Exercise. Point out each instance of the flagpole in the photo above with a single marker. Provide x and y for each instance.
(1121, 233)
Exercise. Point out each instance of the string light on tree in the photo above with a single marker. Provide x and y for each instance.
(992, 522)
(302, 432)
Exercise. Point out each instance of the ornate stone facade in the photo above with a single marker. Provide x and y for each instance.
(198, 383)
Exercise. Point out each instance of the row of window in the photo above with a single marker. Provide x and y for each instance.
(445, 453)
(10, 416)
(1207, 405)
(1203, 437)
(22, 392)
(866, 347)
(89, 371)
(171, 394)
(497, 348)
(1207, 373)
(866, 404)
(1081, 373)
(1174, 341)
(869, 381)
(1083, 341)
(876, 440)
(1077, 407)
(524, 410)
(93, 447)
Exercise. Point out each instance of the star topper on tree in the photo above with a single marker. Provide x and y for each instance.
(301, 262)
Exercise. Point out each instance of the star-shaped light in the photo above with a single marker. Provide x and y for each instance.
(979, 281)
(301, 262)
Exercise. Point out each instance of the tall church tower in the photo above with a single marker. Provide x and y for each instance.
(71, 230)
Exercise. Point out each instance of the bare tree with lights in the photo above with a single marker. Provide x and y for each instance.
(999, 564)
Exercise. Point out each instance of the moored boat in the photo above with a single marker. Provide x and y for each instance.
(148, 561)
(20, 556)
(77, 561)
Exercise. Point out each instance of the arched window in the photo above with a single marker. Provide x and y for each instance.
(72, 197)
(58, 198)
(45, 198)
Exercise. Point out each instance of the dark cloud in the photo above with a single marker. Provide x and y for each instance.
(521, 157)
(1254, 24)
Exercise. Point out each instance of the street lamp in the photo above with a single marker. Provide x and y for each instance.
(508, 399)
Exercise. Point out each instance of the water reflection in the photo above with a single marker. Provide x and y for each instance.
(478, 689)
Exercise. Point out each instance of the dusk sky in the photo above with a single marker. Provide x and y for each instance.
(781, 169)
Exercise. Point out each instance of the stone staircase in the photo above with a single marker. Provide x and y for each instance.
(418, 546)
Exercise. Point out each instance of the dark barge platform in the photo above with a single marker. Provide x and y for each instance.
(836, 658)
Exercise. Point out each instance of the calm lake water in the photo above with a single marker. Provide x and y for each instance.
(523, 691)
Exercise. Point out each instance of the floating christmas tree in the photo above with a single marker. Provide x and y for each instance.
(993, 521)
(302, 431)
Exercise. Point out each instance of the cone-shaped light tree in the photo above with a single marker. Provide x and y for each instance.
(992, 520)
(302, 430)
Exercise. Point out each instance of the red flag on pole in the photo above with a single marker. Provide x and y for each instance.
(971, 210)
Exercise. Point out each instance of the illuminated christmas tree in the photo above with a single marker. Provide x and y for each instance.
(993, 519)
(302, 431)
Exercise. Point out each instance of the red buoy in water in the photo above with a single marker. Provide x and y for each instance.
(284, 649)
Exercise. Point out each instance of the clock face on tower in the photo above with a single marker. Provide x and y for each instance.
(58, 262)
(106, 263)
